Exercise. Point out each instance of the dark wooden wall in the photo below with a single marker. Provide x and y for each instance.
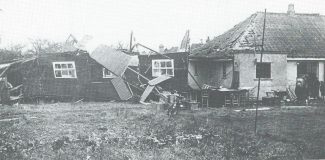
(179, 81)
(88, 84)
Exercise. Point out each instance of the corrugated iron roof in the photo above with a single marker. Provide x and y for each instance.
(121, 88)
(115, 61)
(299, 35)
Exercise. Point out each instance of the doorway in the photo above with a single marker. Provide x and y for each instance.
(305, 68)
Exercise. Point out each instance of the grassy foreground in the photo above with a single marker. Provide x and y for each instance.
(133, 131)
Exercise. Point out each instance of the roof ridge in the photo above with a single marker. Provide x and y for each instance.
(299, 14)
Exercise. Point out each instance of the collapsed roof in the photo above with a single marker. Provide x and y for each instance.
(298, 35)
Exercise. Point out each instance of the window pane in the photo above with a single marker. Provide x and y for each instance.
(170, 72)
(65, 73)
(57, 66)
(156, 64)
(163, 64)
(107, 73)
(155, 72)
(70, 66)
(263, 70)
(163, 72)
(72, 73)
(58, 74)
(169, 64)
(64, 65)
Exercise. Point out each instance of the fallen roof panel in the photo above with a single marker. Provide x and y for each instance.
(115, 61)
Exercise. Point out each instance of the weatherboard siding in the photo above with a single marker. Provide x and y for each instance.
(88, 84)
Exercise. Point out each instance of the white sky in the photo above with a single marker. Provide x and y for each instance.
(153, 22)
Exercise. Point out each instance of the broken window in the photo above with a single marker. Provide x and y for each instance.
(162, 67)
(64, 70)
(263, 70)
(107, 73)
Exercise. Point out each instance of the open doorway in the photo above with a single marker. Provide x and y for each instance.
(307, 72)
(307, 68)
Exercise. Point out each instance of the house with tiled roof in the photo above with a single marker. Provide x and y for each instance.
(294, 45)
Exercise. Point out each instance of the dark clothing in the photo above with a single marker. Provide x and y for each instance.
(322, 88)
(301, 93)
(316, 89)
(173, 104)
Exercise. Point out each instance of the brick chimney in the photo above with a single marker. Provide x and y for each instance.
(291, 10)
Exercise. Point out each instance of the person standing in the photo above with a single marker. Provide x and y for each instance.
(5, 87)
(322, 89)
(172, 100)
(300, 90)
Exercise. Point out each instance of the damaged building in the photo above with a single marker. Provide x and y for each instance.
(65, 76)
(294, 45)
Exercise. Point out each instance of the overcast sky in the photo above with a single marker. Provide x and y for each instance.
(153, 22)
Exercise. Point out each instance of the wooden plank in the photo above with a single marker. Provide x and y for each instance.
(146, 93)
(158, 80)
(121, 88)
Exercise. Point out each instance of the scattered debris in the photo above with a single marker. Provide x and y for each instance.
(253, 109)
(9, 119)
(296, 107)
(151, 86)
(80, 100)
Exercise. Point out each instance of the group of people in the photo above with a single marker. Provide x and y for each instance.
(308, 87)
(5, 87)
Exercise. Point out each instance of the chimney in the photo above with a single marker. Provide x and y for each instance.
(161, 48)
(291, 10)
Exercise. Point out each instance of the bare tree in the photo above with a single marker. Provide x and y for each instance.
(121, 46)
(41, 46)
(11, 52)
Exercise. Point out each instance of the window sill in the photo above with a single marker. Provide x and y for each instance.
(264, 79)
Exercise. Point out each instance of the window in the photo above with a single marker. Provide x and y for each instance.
(263, 70)
(107, 73)
(162, 67)
(64, 70)
(224, 70)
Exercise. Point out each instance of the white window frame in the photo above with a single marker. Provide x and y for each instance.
(110, 75)
(160, 67)
(73, 69)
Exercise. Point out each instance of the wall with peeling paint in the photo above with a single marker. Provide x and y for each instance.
(246, 63)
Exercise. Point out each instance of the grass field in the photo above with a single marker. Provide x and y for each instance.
(133, 131)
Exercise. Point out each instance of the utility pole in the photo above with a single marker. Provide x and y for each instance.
(259, 78)
(131, 37)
